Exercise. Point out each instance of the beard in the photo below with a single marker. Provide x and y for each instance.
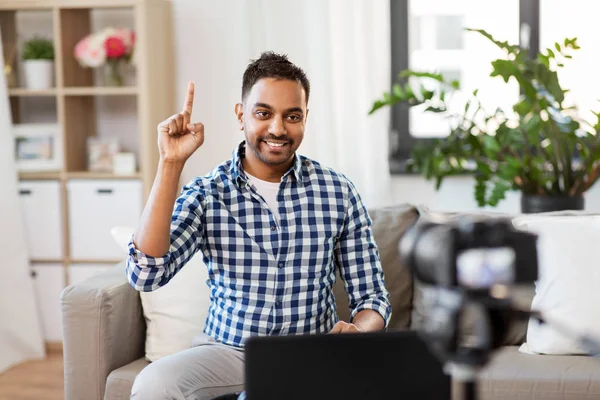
(262, 151)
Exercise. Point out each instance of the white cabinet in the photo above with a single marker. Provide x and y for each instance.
(43, 219)
(80, 272)
(95, 207)
(49, 281)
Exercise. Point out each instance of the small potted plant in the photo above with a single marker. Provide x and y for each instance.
(38, 63)
(539, 146)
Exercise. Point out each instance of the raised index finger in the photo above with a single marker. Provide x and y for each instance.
(189, 99)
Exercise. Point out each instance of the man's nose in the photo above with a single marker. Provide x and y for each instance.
(277, 127)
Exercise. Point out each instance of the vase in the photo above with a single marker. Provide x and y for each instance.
(112, 74)
(531, 204)
(39, 74)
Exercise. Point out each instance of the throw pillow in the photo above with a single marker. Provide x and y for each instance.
(176, 312)
(567, 289)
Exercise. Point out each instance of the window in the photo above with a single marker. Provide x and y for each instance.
(578, 18)
(430, 35)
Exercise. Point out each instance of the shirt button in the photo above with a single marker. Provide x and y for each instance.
(280, 265)
(277, 303)
(272, 227)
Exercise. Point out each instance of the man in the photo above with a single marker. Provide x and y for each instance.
(272, 227)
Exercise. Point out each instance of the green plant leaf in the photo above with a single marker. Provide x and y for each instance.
(499, 189)
(376, 106)
(491, 147)
(435, 109)
(427, 94)
(523, 107)
(38, 48)
(481, 190)
(504, 68)
(511, 49)
(397, 90)
(419, 74)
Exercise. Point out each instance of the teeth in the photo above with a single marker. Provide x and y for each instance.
(275, 144)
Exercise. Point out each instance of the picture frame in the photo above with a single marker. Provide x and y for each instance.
(38, 147)
(101, 152)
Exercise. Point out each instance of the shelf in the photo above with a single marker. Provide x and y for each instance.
(76, 91)
(51, 175)
(74, 4)
(107, 261)
(100, 175)
(22, 92)
(44, 175)
(100, 91)
(45, 261)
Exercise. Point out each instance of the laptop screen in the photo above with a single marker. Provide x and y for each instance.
(386, 365)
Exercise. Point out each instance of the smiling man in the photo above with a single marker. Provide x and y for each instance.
(273, 228)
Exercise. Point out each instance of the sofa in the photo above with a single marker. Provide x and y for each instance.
(104, 330)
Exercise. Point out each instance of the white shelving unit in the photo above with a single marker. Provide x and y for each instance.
(68, 212)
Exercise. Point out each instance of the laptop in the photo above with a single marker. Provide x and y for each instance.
(384, 365)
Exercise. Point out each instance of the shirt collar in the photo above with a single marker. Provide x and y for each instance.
(237, 169)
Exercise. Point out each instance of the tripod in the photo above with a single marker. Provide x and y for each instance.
(492, 316)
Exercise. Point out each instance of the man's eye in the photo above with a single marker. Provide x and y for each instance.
(262, 114)
(294, 118)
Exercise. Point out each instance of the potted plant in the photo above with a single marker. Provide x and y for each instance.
(38, 63)
(539, 147)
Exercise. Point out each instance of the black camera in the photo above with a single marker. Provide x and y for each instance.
(468, 268)
(472, 255)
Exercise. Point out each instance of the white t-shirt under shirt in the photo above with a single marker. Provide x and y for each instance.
(269, 191)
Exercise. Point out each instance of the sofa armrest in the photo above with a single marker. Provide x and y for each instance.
(103, 329)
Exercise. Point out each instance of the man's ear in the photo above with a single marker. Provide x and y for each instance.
(239, 112)
(306, 117)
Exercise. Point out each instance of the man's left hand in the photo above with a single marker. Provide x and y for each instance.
(344, 327)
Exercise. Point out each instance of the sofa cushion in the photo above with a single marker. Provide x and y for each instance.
(514, 375)
(120, 381)
(567, 289)
(174, 313)
(389, 224)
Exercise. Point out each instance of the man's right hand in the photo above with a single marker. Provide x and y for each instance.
(178, 139)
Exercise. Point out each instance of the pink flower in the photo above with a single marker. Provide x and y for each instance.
(128, 38)
(114, 46)
(110, 43)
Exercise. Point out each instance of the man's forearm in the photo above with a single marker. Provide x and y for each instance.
(368, 321)
(153, 234)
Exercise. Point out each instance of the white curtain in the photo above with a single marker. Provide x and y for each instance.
(344, 46)
(20, 330)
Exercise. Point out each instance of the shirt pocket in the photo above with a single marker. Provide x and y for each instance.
(316, 252)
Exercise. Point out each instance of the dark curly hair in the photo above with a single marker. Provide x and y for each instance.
(273, 65)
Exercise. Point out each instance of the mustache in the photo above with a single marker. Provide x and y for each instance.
(273, 138)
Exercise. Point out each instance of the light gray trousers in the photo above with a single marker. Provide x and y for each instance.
(204, 371)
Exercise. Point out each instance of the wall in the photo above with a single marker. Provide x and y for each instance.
(213, 46)
(20, 331)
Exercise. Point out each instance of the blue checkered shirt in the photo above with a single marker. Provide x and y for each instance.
(269, 278)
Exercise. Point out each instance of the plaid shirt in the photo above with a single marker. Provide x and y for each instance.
(267, 278)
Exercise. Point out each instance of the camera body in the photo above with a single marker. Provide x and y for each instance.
(464, 264)
(470, 254)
